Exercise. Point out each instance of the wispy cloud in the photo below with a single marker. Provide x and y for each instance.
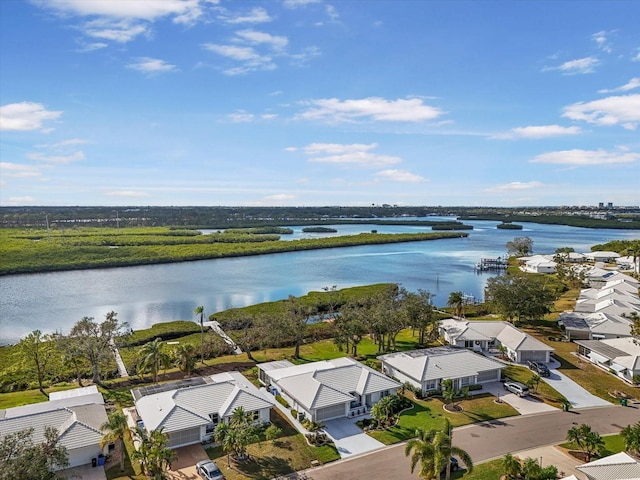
(371, 108)
(17, 170)
(255, 37)
(299, 3)
(578, 157)
(59, 159)
(241, 117)
(92, 46)
(126, 193)
(575, 67)
(249, 58)
(515, 186)
(151, 66)
(623, 110)
(630, 85)
(63, 143)
(255, 15)
(21, 200)
(25, 116)
(401, 176)
(602, 41)
(355, 154)
(538, 131)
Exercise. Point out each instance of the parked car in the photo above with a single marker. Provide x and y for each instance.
(208, 470)
(540, 368)
(518, 388)
(454, 466)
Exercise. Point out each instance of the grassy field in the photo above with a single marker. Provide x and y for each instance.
(427, 414)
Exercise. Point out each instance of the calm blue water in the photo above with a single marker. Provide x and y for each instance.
(151, 294)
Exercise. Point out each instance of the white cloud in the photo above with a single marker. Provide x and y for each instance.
(291, 149)
(349, 155)
(241, 117)
(268, 116)
(17, 170)
(515, 186)
(121, 31)
(255, 37)
(578, 157)
(577, 66)
(151, 66)
(299, 3)
(538, 131)
(255, 15)
(90, 47)
(59, 159)
(630, 85)
(400, 176)
(126, 193)
(623, 110)
(601, 41)
(279, 197)
(21, 200)
(636, 58)
(63, 143)
(25, 116)
(249, 57)
(372, 108)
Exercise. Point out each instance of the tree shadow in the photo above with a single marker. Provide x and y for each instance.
(265, 468)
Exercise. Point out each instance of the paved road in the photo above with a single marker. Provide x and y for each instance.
(485, 441)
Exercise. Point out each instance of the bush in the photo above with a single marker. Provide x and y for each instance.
(475, 387)
(294, 413)
(281, 400)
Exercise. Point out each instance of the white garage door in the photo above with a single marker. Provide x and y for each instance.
(184, 437)
(326, 413)
(533, 355)
(82, 456)
(488, 376)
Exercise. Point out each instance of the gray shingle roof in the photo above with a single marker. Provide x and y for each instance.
(620, 466)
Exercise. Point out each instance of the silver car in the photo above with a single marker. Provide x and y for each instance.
(208, 470)
(518, 388)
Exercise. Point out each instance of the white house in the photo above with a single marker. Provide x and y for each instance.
(618, 356)
(620, 466)
(76, 414)
(328, 389)
(538, 264)
(484, 336)
(427, 368)
(189, 411)
(599, 325)
(602, 256)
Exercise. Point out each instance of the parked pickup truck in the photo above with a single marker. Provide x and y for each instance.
(540, 368)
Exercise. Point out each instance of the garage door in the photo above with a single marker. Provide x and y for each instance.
(327, 413)
(184, 437)
(488, 376)
(533, 355)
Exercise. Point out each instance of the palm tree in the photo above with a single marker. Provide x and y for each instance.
(153, 357)
(434, 449)
(593, 444)
(199, 310)
(510, 466)
(154, 455)
(456, 301)
(185, 357)
(631, 436)
(115, 428)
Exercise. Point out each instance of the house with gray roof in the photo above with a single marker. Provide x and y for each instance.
(620, 466)
(487, 337)
(190, 411)
(76, 414)
(328, 389)
(618, 356)
(427, 368)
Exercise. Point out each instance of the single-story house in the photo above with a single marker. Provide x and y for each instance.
(586, 326)
(629, 262)
(189, 411)
(484, 336)
(427, 368)
(598, 277)
(76, 414)
(538, 264)
(619, 356)
(621, 466)
(601, 256)
(612, 304)
(328, 389)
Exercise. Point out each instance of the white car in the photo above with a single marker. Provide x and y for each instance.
(518, 388)
(208, 470)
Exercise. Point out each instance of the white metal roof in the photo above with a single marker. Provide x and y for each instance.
(614, 467)
(440, 363)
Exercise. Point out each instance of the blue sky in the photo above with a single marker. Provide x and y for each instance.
(303, 102)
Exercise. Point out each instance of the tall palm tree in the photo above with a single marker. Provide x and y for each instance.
(199, 310)
(434, 449)
(154, 357)
(456, 301)
(115, 428)
(631, 436)
(185, 357)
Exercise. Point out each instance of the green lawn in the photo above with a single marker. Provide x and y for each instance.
(485, 471)
(430, 413)
(612, 444)
(26, 397)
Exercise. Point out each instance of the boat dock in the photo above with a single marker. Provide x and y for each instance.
(488, 264)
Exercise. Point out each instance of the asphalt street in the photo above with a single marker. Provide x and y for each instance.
(485, 441)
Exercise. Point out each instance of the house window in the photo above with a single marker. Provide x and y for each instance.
(215, 419)
(254, 416)
(210, 429)
(430, 385)
(468, 344)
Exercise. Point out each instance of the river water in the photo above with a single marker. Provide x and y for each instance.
(150, 294)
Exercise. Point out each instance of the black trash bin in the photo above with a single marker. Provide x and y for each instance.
(94, 462)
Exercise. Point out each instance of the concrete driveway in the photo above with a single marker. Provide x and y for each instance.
(84, 472)
(184, 468)
(348, 437)
(577, 396)
(524, 405)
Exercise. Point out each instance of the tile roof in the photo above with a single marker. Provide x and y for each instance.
(620, 466)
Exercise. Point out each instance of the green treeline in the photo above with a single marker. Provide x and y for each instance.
(569, 220)
(36, 251)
